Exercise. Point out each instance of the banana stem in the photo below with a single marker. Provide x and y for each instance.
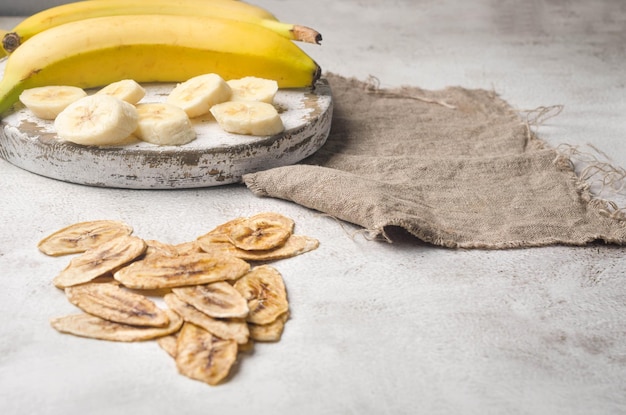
(293, 31)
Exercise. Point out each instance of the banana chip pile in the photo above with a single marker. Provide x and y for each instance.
(215, 304)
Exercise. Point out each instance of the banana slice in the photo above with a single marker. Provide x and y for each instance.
(168, 343)
(86, 325)
(127, 90)
(187, 248)
(202, 356)
(192, 269)
(221, 232)
(261, 232)
(295, 245)
(164, 124)
(264, 289)
(251, 88)
(218, 300)
(98, 120)
(156, 248)
(47, 102)
(197, 95)
(100, 260)
(81, 236)
(271, 332)
(248, 118)
(114, 303)
(228, 329)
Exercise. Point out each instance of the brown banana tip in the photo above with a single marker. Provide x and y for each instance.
(306, 34)
(316, 75)
(11, 41)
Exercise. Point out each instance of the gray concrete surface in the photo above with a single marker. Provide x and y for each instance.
(376, 328)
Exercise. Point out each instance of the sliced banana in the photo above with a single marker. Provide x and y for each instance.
(164, 124)
(202, 356)
(155, 249)
(295, 245)
(100, 260)
(197, 95)
(218, 300)
(271, 332)
(192, 269)
(168, 343)
(221, 232)
(261, 232)
(264, 289)
(81, 236)
(86, 325)
(187, 248)
(248, 118)
(230, 329)
(251, 88)
(98, 120)
(114, 303)
(127, 90)
(47, 102)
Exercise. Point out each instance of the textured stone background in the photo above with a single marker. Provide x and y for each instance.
(376, 328)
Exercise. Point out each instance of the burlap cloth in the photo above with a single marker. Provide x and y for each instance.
(456, 167)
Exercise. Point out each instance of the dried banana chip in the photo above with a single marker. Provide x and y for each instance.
(221, 232)
(261, 232)
(218, 299)
(295, 245)
(114, 303)
(100, 260)
(264, 289)
(271, 332)
(156, 248)
(82, 236)
(193, 269)
(231, 329)
(202, 356)
(168, 343)
(86, 325)
(187, 248)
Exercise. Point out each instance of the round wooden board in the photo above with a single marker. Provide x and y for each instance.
(214, 158)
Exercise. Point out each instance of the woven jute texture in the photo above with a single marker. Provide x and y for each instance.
(455, 167)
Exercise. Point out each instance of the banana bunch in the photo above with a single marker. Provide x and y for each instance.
(94, 43)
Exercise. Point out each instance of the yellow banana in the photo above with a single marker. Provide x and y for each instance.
(153, 48)
(86, 9)
(3, 33)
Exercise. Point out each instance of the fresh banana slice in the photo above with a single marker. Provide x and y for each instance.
(47, 102)
(98, 120)
(114, 303)
(229, 329)
(192, 269)
(164, 124)
(127, 90)
(248, 118)
(251, 88)
(197, 95)
(264, 289)
(86, 325)
(100, 260)
(202, 356)
(271, 332)
(295, 245)
(218, 300)
(261, 232)
(81, 236)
